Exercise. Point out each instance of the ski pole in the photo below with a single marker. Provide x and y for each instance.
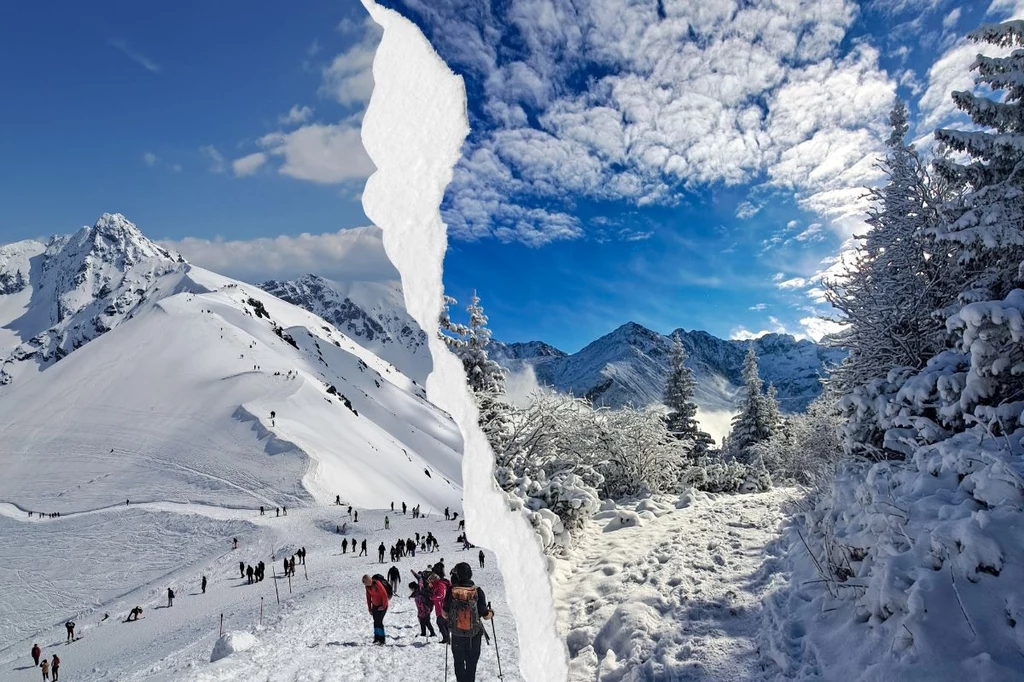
(498, 655)
(261, 611)
(448, 644)
(274, 571)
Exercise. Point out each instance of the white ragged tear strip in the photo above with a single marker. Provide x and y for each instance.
(413, 130)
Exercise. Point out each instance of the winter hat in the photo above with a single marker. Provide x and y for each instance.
(463, 572)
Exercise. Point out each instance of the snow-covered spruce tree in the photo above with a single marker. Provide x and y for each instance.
(483, 374)
(889, 297)
(757, 419)
(678, 397)
(454, 335)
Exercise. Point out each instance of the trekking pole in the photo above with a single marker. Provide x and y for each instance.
(222, 625)
(495, 634)
(289, 583)
(274, 571)
(448, 644)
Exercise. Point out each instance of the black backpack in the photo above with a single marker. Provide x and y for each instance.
(387, 585)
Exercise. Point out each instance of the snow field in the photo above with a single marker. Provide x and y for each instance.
(321, 631)
(670, 589)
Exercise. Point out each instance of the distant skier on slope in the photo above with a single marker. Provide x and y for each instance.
(465, 609)
(481, 555)
(377, 605)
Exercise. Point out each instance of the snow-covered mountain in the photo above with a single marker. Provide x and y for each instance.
(371, 312)
(630, 365)
(130, 373)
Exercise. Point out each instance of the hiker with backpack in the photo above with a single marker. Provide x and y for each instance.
(465, 609)
(170, 597)
(70, 627)
(421, 597)
(377, 604)
(481, 558)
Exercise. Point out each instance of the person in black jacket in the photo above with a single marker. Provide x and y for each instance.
(465, 609)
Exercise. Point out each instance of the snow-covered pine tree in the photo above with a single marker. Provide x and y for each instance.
(753, 423)
(986, 228)
(678, 396)
(889, 296)
(454, 335)
(483, 374)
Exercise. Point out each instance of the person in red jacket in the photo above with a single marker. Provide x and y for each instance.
(36, 653)
(377, 605)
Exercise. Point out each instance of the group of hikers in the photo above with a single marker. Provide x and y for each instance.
(48, 666)
(52, 515)
(459, 606)
(278, 511)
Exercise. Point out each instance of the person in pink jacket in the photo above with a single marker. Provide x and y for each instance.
(438, 591)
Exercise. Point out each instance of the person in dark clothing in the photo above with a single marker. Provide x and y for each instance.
(481, 555)
(170, 597)
(403, 507)
(241, 569)
(277, 511)
(447, 514)
(248, 574)
(286, 567)
(392, 506)
(134, 614)
(70, 627)
(410, 547)
(261, 510)
(455, 515)
(362, 551)
(284, 510)
(465, 609)
(337, 500)
(380, 553)
(202, 585)
(55, 667)
(377, 605)
(344, 546)
(36, 653)
(303, 555)
(420, 595)
(350, 510)
(394, 576)
(439, 569)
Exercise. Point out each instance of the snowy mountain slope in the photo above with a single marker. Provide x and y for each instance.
(630, 365)
(371, 313)
(86, 565)
(170, 405)
(58, 296)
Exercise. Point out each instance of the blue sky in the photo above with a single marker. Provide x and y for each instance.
(696, 169)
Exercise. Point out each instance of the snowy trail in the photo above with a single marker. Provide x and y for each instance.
(105, 561)
(17, 513)
(676, 597)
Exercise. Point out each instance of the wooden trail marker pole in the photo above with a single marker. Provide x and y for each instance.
(274, 571)
(261, 611)
(289, 583)
(222, 625)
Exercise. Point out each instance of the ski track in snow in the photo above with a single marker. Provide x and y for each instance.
(675, 598)
(85, 564)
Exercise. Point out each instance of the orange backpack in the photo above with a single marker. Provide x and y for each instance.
(465, 618)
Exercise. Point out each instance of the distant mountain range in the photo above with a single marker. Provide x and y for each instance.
(631, 364)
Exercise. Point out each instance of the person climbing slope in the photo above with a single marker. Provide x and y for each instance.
(438, 587)
(36, 653)
(465, 609)
(55, 667)
(394, 576)
(45, 665)
(377, 605)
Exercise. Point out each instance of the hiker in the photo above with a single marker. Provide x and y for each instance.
(261, 510)
(380, 553)
(387, 523)
(455, 515)
(363, 550)
(70, 627)
(234, 543)
(303, 555)
(284, 510)
(241, 569)
(377, 605)
(357, 516)
(394, 575)
(462, 524)
(261, 571)
(447, 514)
(134, 613)
(170, 597)
(439, 569)
(410, 548)
(55, 666)
(286, 567)
(403, 507)
(481, 555)
(344, 527)
(337, 500)
(344, 546)
(465, 609)
(350, 510)
(392, 506)
(248, 574)
(202, 585)
(45, 665)
(438, 589)
(293, 564)
(423, 605)
(36, 653)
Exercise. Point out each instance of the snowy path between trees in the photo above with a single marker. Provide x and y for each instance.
(87, 564)
(671, 588)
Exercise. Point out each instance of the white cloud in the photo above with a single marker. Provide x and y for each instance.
(757, 307)
(347, 255)
(348, 79)
(142, 60)
(295, 115)
(326, 154)
(747, 210)
(817, 327)
(150, 159)
(216, 159)
(247, 165)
